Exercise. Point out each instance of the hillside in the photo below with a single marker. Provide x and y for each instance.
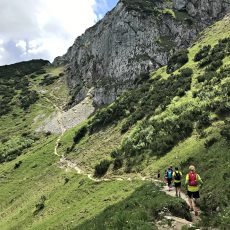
(178, 114)
(174, 116)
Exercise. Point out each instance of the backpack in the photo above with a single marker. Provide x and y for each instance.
(177, 175)
(192, 179)
(169, 174)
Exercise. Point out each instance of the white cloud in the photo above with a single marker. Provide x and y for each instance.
(41, 28)
(22, 45)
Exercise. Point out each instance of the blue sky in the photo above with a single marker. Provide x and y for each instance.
(45, 28)
(103, 6)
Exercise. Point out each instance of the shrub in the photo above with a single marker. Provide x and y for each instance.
(28, 98)
(80, 133)
(66, 180)
(48, 80)
(202, 53)
(209, 142)
(215, 65)
(177, 60)
(142, 78)
(115, 153)
(118, 162)
(203, 120)
(206, 61)
(102, 168)
(17, 165)
(40, 205)
(225, 132)
(187, 72)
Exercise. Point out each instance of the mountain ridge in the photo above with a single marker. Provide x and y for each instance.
(128, 42)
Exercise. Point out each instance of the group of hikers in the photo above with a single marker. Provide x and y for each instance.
(192, 181)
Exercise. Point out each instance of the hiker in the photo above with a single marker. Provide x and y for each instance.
(169, 177)
(177, 176)
(193, 183)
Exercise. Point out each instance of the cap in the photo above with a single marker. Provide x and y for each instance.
(192, 168)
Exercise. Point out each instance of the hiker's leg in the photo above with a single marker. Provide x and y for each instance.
(190, 200)
(190, 203)
(179, 190)
(196, 203)
(169, 183)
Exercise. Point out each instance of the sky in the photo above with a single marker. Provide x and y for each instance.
(34, 29)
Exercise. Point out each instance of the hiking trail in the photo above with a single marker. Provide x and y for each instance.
(176, 222)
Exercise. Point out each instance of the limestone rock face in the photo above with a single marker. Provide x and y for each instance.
(107, 58)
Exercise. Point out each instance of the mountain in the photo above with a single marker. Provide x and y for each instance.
(98, 174)
(135, 38)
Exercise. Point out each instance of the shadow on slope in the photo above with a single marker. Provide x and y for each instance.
(141, 210)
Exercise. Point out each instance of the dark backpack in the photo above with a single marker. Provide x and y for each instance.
(169, 174)
(177, 175)
(192, 179)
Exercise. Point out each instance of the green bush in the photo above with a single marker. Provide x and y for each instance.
(178, 59)
(209, 142)
(40, 205)
(225, 132)
(17, 165)
(202, 53)
(118, 162)
(215, 65)
(102, 168)
(187, 72)
(28, 98)
(115, 153)
(80, 133)
(48, 80)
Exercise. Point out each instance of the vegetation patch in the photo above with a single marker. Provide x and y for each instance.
(177, 60)
(141, 210)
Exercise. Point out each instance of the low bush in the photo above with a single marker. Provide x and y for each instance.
(48, 80)
(187, 72)
(115, 153)
(118, 162)
(178, 59)
(40, 205)
(225, 132)
(202, 53)
(80, 133)
(209, 142)
(17, 165)
(102, 168)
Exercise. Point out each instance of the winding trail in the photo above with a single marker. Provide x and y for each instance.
(177, 223)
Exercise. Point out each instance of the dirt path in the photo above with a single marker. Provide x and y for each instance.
(176, 223)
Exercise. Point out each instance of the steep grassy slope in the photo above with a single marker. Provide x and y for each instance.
(179, 116)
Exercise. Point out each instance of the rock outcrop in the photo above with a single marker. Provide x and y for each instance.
(135, 37)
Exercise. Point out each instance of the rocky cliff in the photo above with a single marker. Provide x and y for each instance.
(134, 38)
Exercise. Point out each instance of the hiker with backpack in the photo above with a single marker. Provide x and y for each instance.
(169, 177)
(177, 176)
(193, 182)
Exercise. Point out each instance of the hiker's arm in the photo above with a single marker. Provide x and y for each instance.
(186, 180)
(200, 180)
